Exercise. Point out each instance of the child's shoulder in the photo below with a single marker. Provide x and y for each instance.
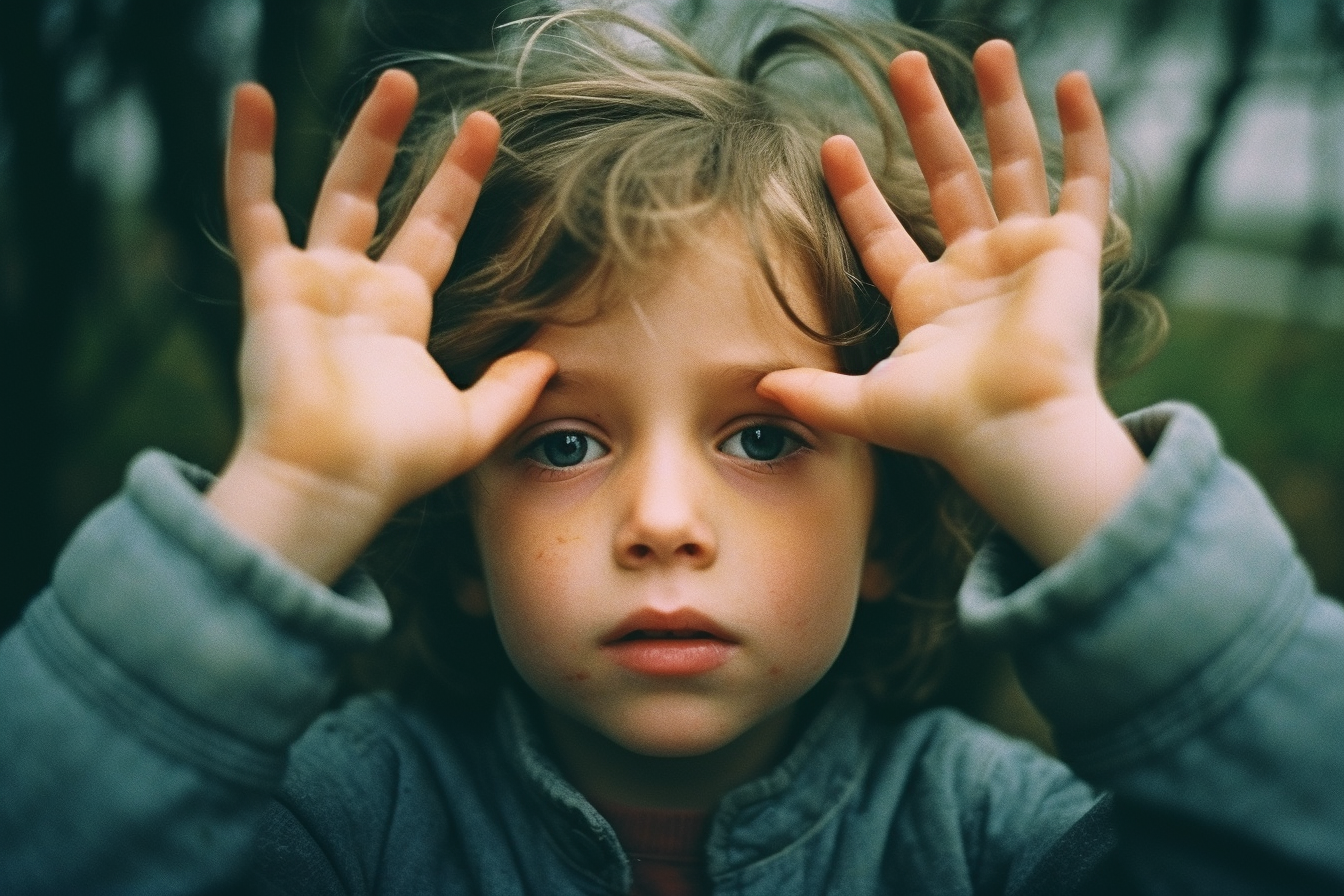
(375, 768)
(950, 797)
(952, 763)
(381, 734)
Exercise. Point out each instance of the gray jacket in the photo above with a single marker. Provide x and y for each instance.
(162, 728)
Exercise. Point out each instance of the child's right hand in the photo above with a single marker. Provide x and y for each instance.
(346, 416)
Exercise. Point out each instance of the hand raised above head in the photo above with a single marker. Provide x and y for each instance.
(343, 406)
(999, 334)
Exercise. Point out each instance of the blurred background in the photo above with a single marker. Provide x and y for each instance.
(119, 319)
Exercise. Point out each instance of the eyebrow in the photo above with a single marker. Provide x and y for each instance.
(732, 375)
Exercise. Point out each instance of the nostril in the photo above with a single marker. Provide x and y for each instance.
(642, 551)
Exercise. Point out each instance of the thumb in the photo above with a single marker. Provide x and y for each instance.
(501, 399)
(832, 401)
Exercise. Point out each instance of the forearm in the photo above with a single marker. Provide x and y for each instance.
(152, 693)
(1184, 661)
(1261, 801)
(107, 788)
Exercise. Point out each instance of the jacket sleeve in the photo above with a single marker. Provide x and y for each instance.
(1188, 665)
(152, 691)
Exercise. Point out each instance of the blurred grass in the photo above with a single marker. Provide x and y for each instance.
(1275, 389)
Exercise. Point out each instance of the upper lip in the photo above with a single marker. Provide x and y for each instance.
(685, 622)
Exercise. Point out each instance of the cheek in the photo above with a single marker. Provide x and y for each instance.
(535, 566)
(520, 542)
(812, 571)
(538, 630)
(813, 595)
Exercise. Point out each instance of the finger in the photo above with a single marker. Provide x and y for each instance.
(346, 215)
(1018, 166)
(960, 203)
(500, 400)
(885, 248)
(255, 222)
(1086, 189)
(428, 238)
(831, 401)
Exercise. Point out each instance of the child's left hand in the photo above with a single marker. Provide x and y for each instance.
(995, 375)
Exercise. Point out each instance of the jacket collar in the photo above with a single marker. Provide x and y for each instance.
(759, 819)
(794, 800)
(581, 835)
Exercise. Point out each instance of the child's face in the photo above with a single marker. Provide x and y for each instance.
(672, 560)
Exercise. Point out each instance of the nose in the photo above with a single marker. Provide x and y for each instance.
(664, 519)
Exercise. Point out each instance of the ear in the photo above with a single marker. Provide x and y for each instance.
(876, 582)
(472, 598)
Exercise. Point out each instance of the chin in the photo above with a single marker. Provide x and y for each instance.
(669, 729)
(672, 744)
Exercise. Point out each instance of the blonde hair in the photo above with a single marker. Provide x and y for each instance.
(619, 141)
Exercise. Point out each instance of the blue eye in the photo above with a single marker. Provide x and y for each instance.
(565, 448)
(761, 443)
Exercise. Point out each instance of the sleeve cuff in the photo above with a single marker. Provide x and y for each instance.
(1165, 615)
(225, 630)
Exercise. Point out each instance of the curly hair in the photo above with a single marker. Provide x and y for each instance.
(620, 141)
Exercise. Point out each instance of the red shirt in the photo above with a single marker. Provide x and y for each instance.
(666, 848)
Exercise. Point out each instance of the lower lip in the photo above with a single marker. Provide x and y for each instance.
(671, 657)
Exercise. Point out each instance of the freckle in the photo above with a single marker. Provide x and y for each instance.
(774, 670)
(580, 675)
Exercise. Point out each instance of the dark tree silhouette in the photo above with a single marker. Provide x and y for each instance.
(52, 248)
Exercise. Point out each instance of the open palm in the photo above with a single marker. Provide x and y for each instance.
(336, 380)
(1005, 321)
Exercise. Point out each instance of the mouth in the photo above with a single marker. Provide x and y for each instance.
(680, 644)
(659, 625)
(665, 635)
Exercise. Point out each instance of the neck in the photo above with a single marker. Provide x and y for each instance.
(604, 771)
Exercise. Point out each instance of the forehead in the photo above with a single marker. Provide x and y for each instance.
(705, 300)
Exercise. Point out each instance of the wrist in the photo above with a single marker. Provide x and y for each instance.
(318, 524)
(1051, 475)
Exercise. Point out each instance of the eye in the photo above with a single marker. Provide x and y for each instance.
(565, 448)
(761, 443)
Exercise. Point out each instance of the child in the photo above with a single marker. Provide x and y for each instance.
(678, 447)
